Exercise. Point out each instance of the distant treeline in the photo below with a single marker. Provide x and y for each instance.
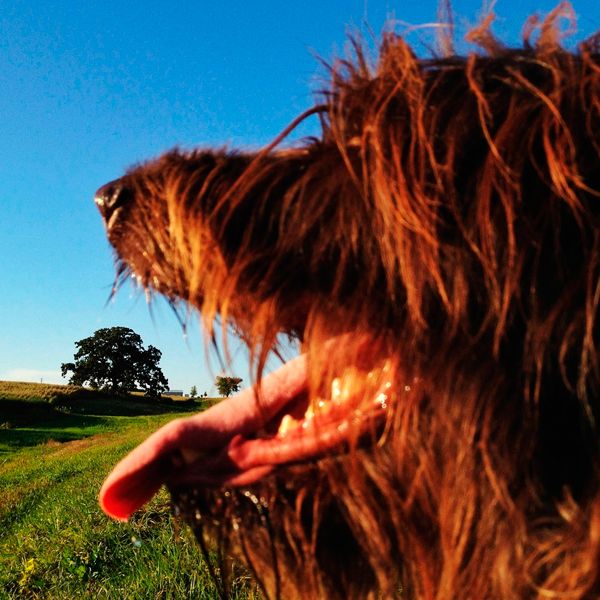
(22, 402)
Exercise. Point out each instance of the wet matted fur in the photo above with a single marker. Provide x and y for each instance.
(445, 225)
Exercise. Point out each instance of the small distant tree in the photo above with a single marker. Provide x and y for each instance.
(228, 385)
(114, 359)
(193, 392)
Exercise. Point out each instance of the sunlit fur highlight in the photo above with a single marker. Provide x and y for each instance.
(447, 213)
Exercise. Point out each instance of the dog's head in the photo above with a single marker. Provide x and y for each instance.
(436, 252)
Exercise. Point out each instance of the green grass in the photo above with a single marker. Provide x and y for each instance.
(54, 540)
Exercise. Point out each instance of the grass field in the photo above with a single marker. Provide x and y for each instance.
(56, 446)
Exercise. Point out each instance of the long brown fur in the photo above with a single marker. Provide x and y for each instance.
(449, 215)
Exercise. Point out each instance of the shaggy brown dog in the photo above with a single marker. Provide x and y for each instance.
(437, 252)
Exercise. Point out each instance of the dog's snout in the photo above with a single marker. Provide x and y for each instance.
(112, 196)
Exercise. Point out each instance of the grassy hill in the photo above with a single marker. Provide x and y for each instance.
(57, 444)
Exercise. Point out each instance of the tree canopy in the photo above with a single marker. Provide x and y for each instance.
(114, 359)
(228, 385)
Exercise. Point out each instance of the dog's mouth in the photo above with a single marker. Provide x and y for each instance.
(288, 418)
(242, 439)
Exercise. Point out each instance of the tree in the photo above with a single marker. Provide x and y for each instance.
(114, 359)
(193, 392)
(228, 385)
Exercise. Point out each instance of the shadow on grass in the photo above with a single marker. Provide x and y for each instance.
(22, 438)
(73, 416)
(96, 403)
(20, 413)
(43, 423)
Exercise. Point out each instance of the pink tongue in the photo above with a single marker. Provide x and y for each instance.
(157, 460)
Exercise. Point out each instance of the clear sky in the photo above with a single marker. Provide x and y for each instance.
(88, 89)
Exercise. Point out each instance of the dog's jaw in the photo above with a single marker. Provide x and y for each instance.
(242, 439)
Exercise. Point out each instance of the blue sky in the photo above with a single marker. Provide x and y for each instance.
(89, 89)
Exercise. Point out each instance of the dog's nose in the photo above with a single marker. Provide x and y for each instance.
(112, 196)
